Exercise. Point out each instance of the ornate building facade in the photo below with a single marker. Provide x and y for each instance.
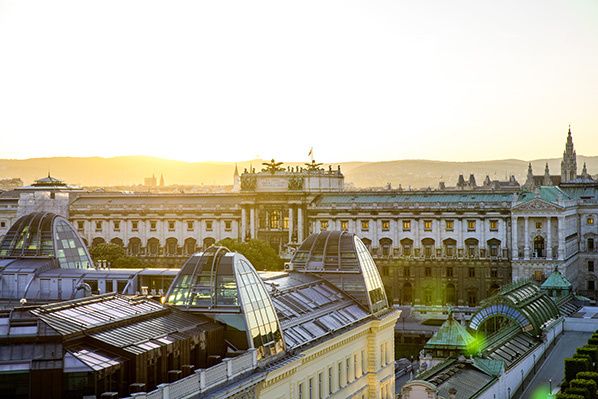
(432, 247)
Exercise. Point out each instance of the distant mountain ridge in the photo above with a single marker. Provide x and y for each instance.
(131, 170)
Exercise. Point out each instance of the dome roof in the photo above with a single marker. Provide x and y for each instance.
(46, 235)
(343, 259)
(226, 286)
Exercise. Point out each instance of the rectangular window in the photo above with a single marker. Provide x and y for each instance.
(428, 271)
(365, 225)
(228, 225)
(591, 266)
(98, 226)
(471, 225)
(449, 272)
(427, 225)
(340, 375)
(134, 225)
(363, 365)
(355, 370)
(300, 390)
(285, 222)
(171, 225)
(347, 369)
(406, 225)
(344, 225)
(116, 225)
(323, 224)
(494, 273)
(385, 225)
(450, 225)
(209, 225)
(330, 381)
(189, 225)
(406, 271)
(320, 385)
(80, 224)
(471, 272)
(493, 225)
(311, 388)
(591, 285)
(538, 225)
(153, 225)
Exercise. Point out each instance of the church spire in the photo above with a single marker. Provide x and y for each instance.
(547, 180)
(569, 162)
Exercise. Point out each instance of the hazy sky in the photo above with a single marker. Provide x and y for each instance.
(357, 80)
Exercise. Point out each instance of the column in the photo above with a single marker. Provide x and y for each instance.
(415, 226)
(548, 238)
(375, 243)
(243, 223)
(252, 222)
(459, 228)
(299, 225)
(482, 235)
(526, 238)
(560, 228)
(514, 239)
(291, 223)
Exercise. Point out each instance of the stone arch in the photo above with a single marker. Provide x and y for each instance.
(386, 246)
(407, 246)
(171, 247)
(494, 247)
(428, 245)
(117, 241)
(472, 246)
(153, 247)
(450, 247)
(208, 242)
(190, 246)
(134, 246)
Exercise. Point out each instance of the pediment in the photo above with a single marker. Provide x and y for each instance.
(537, 204)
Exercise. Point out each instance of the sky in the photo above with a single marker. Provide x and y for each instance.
(234, 80)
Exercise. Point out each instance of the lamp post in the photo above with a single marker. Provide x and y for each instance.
(550, 386)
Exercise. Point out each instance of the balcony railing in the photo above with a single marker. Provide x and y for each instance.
(204, 379)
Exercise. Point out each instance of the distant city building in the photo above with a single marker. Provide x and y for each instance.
(455, 245)
(10, 184)
(150, 181)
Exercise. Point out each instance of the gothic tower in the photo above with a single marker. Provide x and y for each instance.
(569, 162)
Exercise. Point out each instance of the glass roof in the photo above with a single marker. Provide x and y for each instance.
(226, 285)
(342, 259)
(46, 235)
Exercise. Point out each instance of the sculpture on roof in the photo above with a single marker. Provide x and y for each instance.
(272, 166)
(313, 166)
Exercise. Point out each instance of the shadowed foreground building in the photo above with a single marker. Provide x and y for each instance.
(323, 328)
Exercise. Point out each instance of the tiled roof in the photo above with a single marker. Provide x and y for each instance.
(451, 335)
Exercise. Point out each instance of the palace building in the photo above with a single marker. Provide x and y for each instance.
(453, 245)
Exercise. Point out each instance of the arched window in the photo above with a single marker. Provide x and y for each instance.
(171, 246)
(190, 246)
(118, 242)
(428, 244)
(472, 246)
(134, 246)
(450, 247)
(386, 245)
(153, 247)
(406, 246)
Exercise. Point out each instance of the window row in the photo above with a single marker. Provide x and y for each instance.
(153, 225)
(406, 225)
(334, 377)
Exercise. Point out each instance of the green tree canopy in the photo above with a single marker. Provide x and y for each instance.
(115, 255)
(261, 255)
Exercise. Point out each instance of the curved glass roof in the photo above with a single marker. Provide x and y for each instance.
(343, 259)
(46, 235)
(522, 302)
(226, 285)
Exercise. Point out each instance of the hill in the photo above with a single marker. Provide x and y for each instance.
(131, 170)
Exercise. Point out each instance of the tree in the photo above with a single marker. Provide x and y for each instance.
(588, 385)
(115, 255)
(261, 255)
(106, 251)
(574, 366)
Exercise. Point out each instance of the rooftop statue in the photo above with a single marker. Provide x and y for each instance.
(272, 167)
(313, 166)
